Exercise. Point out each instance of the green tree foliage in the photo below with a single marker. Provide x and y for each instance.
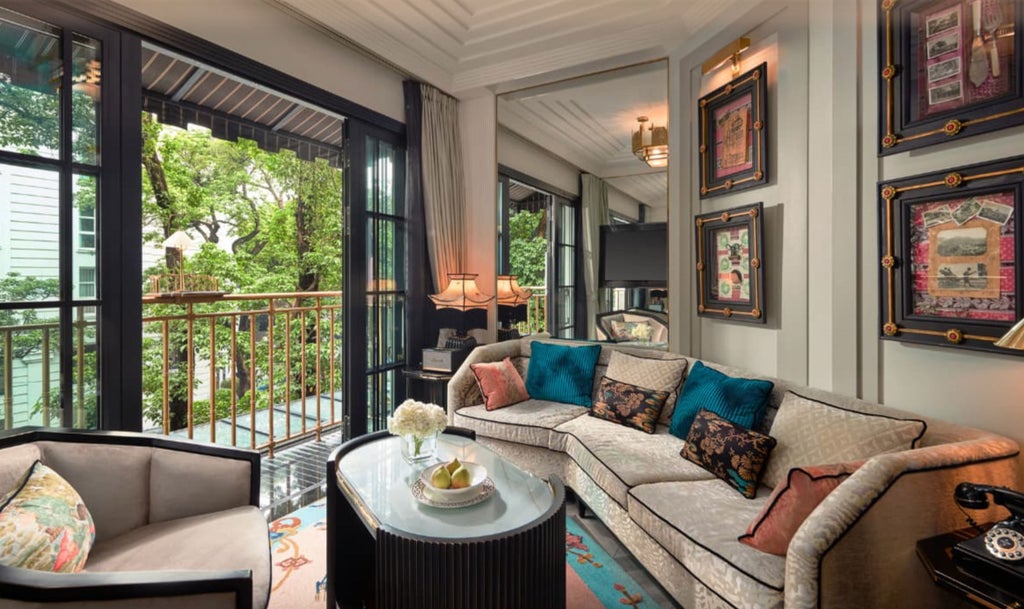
(528, 248)
(268, 223)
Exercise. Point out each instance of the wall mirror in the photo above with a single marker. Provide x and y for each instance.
(558, 144)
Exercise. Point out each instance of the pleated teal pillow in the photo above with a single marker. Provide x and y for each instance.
(737, 400)
(562, 374)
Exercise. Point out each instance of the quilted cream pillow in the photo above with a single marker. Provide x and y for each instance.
(44, 525)
(649, 373)
(810, 432)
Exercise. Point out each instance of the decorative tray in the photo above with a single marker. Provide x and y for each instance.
(486, 490)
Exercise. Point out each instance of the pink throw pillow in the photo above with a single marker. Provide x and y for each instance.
(500, 384)
(791, 503)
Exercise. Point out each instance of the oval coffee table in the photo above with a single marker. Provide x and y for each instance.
(387, 550)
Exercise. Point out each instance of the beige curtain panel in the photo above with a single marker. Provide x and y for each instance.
(444, 195)
(595, 213)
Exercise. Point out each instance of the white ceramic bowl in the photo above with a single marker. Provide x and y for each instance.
(477, 475)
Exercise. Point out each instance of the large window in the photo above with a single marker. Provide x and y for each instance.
(537, 242)
(54, 100)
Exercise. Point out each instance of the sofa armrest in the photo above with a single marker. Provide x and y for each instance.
(153, 589)
(462, 388)
(858, 546)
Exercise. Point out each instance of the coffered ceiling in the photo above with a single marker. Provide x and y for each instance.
(589, 122)
(460, 45)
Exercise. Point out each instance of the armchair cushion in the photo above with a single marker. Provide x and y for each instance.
(186, 484)
(228, 540)
(44, 526)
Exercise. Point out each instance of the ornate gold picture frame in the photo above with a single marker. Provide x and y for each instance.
(733, 152)
(952, 258)
(730, 264)
(948, 69)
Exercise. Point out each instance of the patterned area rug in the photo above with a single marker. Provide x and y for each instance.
(298, 544)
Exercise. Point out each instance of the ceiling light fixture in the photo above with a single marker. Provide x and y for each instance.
(650, 144)
(730, 52)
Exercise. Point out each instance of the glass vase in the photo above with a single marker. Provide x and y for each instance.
(416, 449)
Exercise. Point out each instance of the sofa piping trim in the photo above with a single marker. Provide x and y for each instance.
(913, 444)
(697, 543)
(662, 546)
(821, 558)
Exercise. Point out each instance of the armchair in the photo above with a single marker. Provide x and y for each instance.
(177, 522)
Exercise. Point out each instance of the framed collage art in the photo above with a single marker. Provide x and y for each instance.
(733, 151)
(951, 255)
(948, 69)
(730, 264)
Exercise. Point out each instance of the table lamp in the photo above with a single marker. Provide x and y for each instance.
(179, 241)
(512, 301)
(461, 294)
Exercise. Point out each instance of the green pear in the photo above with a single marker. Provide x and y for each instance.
(441, 478)
(461, 478)
(454, 465)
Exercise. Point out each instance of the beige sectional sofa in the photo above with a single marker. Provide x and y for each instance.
(177, 522)
(857, 549)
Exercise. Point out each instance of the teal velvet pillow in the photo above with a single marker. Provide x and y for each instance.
(737, 400)
(562, 374)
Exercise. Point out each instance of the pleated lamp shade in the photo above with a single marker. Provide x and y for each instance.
(1014, 339)
(509, 292)
(462, 294)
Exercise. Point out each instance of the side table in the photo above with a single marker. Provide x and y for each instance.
(428, 386)
(936, 553)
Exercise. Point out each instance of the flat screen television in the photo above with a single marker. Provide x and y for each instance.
(633, 256)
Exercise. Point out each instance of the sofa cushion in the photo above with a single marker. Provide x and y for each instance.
(628, 405)
(561, 373)
(791, 503)
(698, 522)
(500, 383)
(739, 400)
(235, 539)
(44, 524)
(730, 452)
(618, 458)
(628, 331)
(811, 432)
(530, 422)
(661, 374)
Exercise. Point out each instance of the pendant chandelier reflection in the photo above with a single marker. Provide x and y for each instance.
(650, 144)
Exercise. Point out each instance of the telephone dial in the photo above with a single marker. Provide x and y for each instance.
(998, 555)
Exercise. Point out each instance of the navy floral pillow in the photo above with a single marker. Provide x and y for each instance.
(628, 405)
(730, 452)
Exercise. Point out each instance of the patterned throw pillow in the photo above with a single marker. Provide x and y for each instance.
(44, 525)
(500, 384)
(812, 432)
(560, 373)
(628, 405)
(742, 401)
(650, 373)
(728, 451)
(791, 503)
(630, 331)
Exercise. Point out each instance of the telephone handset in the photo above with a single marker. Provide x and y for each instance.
(999, 554)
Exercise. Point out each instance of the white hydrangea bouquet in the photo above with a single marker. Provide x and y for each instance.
(418, 424)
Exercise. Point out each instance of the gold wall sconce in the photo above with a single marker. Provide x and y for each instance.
(730, 52)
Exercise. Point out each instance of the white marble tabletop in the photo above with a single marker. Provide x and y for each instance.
(380, 480)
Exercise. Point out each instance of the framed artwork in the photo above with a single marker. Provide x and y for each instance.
(730, 264)
(949, 69)
(951, 256)
(733, 154)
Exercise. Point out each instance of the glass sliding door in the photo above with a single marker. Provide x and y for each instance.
(563, 246)
(379, 278)
(56, 121)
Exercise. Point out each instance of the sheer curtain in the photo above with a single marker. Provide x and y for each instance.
(595, 213)
(444, 197)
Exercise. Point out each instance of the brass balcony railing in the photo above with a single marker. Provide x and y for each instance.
(536, 311)
(258, 369)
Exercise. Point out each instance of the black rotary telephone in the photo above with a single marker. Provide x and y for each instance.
(998, 555)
